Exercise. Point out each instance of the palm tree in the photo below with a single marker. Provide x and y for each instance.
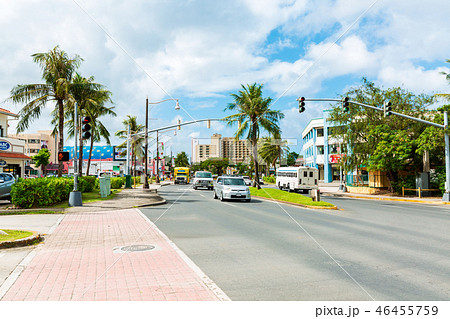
(57, 71)
(91, 99)
(272, 149)
(137, 141)
(254, 114)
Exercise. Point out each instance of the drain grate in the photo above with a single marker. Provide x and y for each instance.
(134, 248)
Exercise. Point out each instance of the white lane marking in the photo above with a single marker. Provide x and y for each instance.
(202, 195)
(228, 204)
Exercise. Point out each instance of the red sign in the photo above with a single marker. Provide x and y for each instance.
(334, 158)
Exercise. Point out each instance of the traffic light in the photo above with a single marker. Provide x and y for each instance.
(301, 105)
(86, 127)
(345, 104)
(387, 109)
(63, 156)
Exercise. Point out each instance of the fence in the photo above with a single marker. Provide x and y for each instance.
(419, 190)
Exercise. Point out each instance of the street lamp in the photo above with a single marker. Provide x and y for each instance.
(177, 107)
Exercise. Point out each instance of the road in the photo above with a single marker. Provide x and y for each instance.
(369, 250)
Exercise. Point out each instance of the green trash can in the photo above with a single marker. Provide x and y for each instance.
(105, 185)
(128, 181)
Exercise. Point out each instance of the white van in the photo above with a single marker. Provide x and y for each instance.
(297, 178)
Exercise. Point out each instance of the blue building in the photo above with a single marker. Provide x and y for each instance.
(320, 149)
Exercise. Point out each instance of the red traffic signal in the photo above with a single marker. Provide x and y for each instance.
(301, 104)
(63, 156)
(86, 127)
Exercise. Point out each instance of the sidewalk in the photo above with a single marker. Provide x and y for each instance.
(332, 189)
(110, 251)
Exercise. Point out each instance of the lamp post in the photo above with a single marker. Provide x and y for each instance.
(177, 107)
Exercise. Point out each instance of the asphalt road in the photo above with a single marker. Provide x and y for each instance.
(370, 250)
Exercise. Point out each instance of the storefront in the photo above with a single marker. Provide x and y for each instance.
(14, 163)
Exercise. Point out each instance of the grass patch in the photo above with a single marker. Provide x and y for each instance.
(31, 212)
(14, 234)
(90, 197)
(295, 198)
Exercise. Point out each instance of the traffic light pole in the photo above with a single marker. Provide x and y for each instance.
(446, 196)
(75, 195)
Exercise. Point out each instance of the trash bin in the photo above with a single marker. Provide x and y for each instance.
(105, 185)
(128, 181)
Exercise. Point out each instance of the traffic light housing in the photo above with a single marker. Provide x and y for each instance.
(387, 109)
(86, 127)
(345, 104)
(63, 156)
(301, 105)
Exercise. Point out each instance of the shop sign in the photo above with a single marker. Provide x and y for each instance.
(334, 158)
(4, 146)
(2, 163)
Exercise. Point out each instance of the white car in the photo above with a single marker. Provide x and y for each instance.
(231, 187)
(203, 179)
(247, 180)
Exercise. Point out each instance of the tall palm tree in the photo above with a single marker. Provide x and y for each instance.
(137, 141)
(91, 98)
(57, 71)
(254, 114)
(272, 149)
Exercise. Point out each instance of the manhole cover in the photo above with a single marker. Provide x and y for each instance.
(133, 248)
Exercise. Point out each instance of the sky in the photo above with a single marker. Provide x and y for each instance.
(202, 51)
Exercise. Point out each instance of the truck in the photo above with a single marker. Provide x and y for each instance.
(181, 175)
(297, 178)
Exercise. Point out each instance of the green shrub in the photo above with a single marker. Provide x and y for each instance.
(40, 192)
(88, 183)
(117, 182)
(270, 179)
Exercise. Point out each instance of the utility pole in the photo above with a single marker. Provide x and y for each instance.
(75, 196)
(146, 146)
(157, 156)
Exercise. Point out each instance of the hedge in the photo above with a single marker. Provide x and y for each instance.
(42, 192)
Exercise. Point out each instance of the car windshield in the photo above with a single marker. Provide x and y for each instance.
(233, 181)
(204, 175)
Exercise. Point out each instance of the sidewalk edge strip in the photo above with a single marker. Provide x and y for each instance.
(204, 278)
(7, 284)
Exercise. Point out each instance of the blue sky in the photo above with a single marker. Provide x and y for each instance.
(201, 51)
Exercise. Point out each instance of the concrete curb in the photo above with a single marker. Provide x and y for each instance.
(161, 202)
(30, 240)
(295, 204)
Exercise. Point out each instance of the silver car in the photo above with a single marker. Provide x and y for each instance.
(231, 187)
(6, 180)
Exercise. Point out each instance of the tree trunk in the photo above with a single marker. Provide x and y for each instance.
(255, 163)
(391, 178)
(426, 161)
(61, 134)
(90, 155)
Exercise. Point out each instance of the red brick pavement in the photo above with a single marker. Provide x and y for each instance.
(79, 262)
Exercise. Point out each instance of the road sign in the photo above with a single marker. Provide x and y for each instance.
(2, 163)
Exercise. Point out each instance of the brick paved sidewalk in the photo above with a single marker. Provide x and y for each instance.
(81, 261)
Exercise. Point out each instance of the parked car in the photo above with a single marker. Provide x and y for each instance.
(203, 179)
(247, 180)
(6, 181)
(231, 187)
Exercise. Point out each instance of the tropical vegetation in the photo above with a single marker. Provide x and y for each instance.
(253, 116)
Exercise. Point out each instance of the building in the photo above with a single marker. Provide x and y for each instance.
(202, 152)
(237, 151)
(12, 150)
(33, 144)
(321, 150)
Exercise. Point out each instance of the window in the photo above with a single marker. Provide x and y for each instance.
(319, 132)
(320, 150)
(333, 149)
(305, 174)
(34, 141)
(311, 174)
